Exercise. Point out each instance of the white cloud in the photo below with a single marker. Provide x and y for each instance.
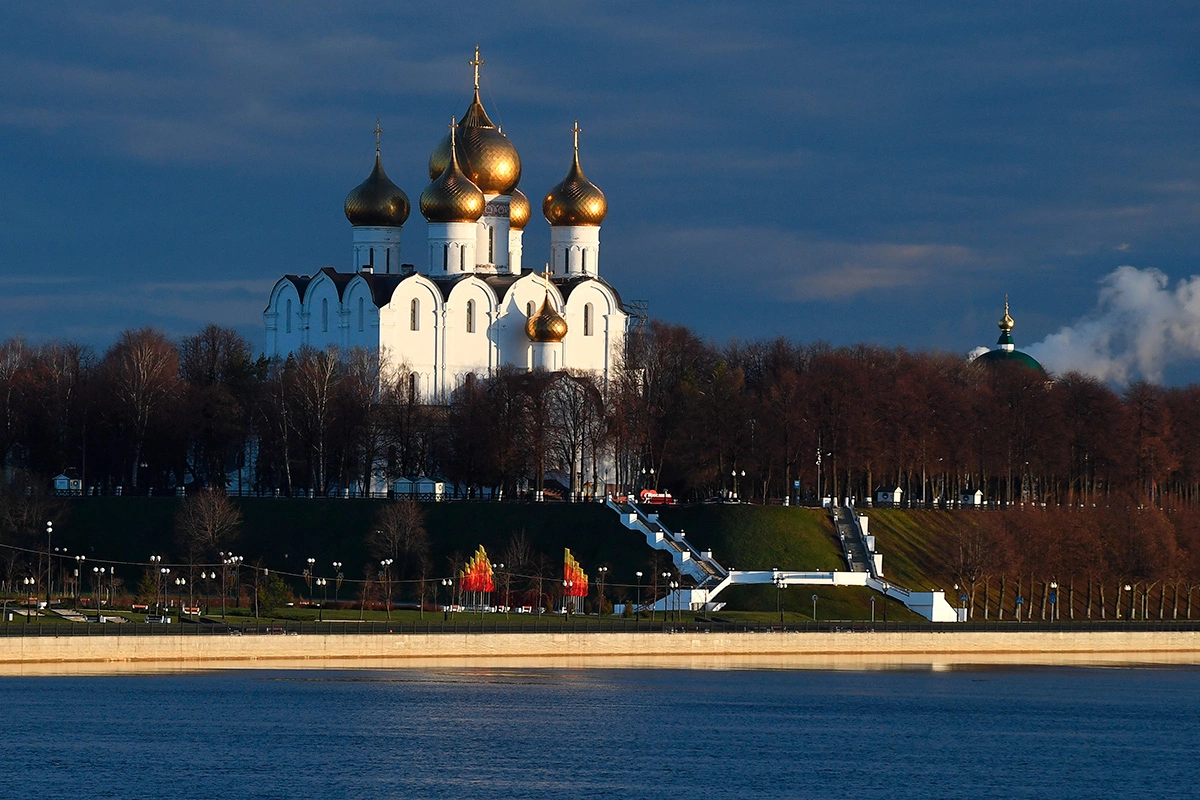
(1140, 325)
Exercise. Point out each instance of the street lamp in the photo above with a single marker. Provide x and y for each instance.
(180, 582)
(637, 609)
(324, 584)
(448, 583)
(1054, 599)
(666, 597)
(504, 596)
(602, 571)
(385, 567)
(566, 594)
(673, 585)
(337, 568)
(872, 609)
(814, 599)
(78, 577)
(49, 533)
(163, 572)
(29, 584)
(308, 578)
(780, 585)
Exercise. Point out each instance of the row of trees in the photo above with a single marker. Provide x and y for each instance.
(679, 413)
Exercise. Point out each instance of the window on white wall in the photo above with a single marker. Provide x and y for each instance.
(446, 257)
(414, 315)
(470, 316)
(583, 255)
(289, 316)
(412, 387)
(491, 244)
(587, 320)
(462, 259)
(324, 315)
(361, 312)
(529, 309)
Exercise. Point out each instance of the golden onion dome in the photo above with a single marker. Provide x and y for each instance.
(519, 211)
(452, 197)
(1007, 323)
(485, 154)
(546, 325)
(377, 202)
(575, 200)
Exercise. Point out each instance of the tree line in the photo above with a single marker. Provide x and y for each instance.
(768, 420)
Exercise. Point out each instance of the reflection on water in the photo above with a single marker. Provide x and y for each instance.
(500, 731)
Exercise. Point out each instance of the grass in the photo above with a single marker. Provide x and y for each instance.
(282, 534)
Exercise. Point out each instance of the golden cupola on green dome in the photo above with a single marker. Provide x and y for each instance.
(485, 154)
(377, 202)
(546, 325)
(519, 211)
(452, 197)
(575, 200)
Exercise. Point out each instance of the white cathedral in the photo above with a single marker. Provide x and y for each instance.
(467, 307)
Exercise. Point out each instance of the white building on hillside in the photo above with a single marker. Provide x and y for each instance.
(466, 306)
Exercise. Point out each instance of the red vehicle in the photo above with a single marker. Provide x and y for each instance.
(650, 497)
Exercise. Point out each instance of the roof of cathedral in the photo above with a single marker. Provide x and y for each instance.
(519, 211)
(485, 154)
(1006, 351)
(575, 200)
(377, 202)
(452, 197)
(546, 324)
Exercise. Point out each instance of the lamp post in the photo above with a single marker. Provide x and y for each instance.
(385, 567)
(236, 563)
(449, 584)
(308, 578)
(180, 582)
(78, 578)
(637, 609)
(666, 576)
(566, 594)
(49, 533)
(337, 585)
(154, 562)
(673, 585)
(504, 593)
(324, 584)
(872, 609)
(30, 583)
(602, 571)
(163, 572)
(1129, 589)
(1054, 600)
(814, 599)
(780, 585)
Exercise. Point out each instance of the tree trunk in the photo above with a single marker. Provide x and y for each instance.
(1103, 610)
(1000, 605)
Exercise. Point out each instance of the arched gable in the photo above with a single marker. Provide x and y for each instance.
(323, 312)
(472, 314)
(283, 318)
(595, 326)
(411, 334)
(362, 316)
(514, 311)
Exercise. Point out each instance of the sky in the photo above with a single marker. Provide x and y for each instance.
(869, 172)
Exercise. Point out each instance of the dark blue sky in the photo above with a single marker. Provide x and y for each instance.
(846, 172)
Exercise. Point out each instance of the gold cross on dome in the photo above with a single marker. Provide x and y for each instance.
(546, 276)
(378, 130)
(477, 62)
(576, 130)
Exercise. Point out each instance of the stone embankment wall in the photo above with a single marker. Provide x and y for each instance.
(76, 655)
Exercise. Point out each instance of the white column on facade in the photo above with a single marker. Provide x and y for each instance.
(515, 245)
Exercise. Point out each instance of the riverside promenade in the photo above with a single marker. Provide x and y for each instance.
(61, 655)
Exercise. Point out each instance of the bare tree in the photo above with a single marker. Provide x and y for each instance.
(399, 533)
(205, 522)
(143, 368)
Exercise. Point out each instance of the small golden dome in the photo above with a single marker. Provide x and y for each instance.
(519, 211)
(546, 325)
(485, 154)
(1007, 323)
(377, 202)
(575, 200)
(452, 197)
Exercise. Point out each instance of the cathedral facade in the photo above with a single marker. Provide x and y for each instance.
(466, 306)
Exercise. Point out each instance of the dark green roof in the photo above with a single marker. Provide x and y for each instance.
(1010, 357)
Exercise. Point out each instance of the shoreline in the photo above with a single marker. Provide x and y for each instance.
(73, 655)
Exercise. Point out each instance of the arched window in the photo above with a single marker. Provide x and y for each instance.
(587, 318)
(324, 315)
(583, 255)
(372, 261)
(462, 259)
(387, 260)
(566, 259)
(470, 316)
(361, 312)
(529, 309)
(288, 316)
(412, 387)
(446, 257)
(414, 315)
(491, 244)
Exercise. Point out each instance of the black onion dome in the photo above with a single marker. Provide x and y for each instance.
(377, 202)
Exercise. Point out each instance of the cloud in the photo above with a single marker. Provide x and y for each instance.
(1138, 328)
